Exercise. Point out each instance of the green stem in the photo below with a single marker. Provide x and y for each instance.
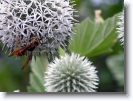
(44, 62)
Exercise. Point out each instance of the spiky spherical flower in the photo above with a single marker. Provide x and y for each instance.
(71, 73)
(50, 20)
(120, 29)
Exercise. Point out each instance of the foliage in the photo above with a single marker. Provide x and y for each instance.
(94, 38)
(116, 66)
(36, 77)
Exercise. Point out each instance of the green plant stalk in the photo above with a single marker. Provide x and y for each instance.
(36, 80)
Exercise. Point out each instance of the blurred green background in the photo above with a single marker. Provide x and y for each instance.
(110, 66)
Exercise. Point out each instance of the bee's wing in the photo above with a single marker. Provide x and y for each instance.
(15, 52)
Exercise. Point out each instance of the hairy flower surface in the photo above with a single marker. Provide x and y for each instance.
(50, 20)
(120, 29)
(71, 73)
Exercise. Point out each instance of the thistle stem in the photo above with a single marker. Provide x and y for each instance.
(44, 62)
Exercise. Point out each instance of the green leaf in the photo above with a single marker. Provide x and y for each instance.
(36, 77)
(116, 65)
(94, 38)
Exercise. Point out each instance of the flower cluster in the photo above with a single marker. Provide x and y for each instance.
(71, 73)
(120, 29)
(50, 20)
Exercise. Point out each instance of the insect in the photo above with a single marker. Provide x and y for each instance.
(26, 50)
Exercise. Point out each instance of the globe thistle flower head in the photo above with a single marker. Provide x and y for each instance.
(50, 20)
(120, 29)
(71, 73)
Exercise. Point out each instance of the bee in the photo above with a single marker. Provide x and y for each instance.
(24, 50)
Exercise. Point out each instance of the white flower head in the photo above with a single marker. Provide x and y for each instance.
(120, 29)
(50, 20)
(71, 73)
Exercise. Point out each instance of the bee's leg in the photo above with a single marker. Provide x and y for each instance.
(26, 53)
(27, 61)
